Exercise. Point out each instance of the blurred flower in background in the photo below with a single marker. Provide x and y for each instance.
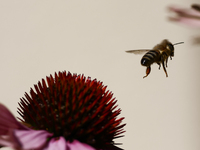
(70, 112)
(187, 16)
(190, 16)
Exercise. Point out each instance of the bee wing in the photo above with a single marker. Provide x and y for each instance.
(139, 51)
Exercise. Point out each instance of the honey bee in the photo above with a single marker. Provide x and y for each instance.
(159, 54)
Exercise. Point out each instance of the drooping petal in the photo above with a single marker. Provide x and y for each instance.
(8, 121)
(9, 141)
(32, 139)
(76, 145)
(8, 124)
(14, 134)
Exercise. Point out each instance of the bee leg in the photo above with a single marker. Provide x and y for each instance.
(166, 61)
(164, 68)
(159, 66)
(148, 70)
(170, 57)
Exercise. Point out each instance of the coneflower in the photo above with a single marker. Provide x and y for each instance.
(65, 112)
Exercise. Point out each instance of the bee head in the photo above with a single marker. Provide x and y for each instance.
(170, 47)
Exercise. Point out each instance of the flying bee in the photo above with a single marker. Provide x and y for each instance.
(159, 54)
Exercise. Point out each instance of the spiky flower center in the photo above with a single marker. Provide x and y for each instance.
(73, 107)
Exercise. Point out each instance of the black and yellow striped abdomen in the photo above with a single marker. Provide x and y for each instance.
(150, 57)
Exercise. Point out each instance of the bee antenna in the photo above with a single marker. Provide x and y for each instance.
(178, 43)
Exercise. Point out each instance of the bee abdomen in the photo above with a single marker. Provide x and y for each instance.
(150, 57)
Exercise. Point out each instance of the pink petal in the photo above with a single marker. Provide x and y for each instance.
(187, 21)
(76, 145)
(9, 141)
(57, 144)
(15, 135)
(8, 121)
(32, 139)
(61, 144)
(188, 17)
(183, 11)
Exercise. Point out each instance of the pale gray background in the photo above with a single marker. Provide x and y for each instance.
(38, 38)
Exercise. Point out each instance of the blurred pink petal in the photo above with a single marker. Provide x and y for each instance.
(8, 121)
(187, 21)
(190, 17)
(61, 144)
(185, 12)
(8, 124)
(9, 141)
(57, 144)
(32, 139)
(14, 134)
(76, 145)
